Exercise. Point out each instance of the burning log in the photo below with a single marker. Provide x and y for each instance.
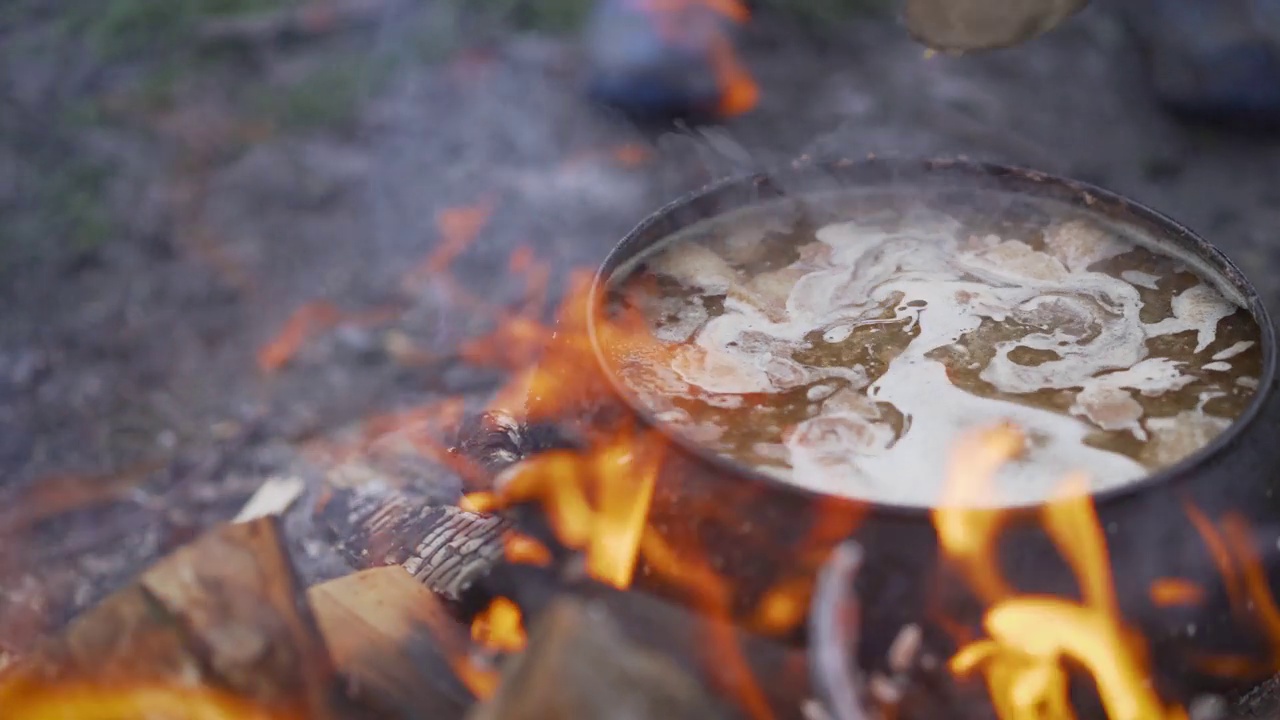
(759, 676)
(494, 441)
(392, 638)
(223, 624)
(442, 546)
(224, 615)
(580, 664)
(754, 675)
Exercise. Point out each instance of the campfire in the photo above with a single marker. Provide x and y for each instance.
(600, 564)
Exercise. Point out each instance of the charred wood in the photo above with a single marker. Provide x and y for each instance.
(442, 546)
(494, 441)
(446, 548)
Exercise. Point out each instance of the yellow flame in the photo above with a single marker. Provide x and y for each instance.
(1030, 637)
(968, 534)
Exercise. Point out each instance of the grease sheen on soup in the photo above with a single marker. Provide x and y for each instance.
(842, 343)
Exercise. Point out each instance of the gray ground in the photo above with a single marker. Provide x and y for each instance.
(163, 218)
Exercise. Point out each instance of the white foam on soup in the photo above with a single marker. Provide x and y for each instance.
(985, 302)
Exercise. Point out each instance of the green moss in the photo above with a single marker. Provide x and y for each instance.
(328, 98)
(551, 16)
(73, 208)
(123, 28)
(157, 88)
(822, 12)
(83, 113)
(558, 16)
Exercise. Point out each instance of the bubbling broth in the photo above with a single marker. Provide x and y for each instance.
(842, 342)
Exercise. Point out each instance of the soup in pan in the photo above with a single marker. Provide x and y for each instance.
(841, 343)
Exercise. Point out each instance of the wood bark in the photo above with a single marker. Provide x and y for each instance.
(444, 547)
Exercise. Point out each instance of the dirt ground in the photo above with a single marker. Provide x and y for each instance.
(164, 219)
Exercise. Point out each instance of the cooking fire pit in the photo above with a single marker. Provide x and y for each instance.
(805, 447)
(766, 521)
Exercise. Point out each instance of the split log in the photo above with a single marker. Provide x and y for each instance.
(225, 613)
(392, 639)
(728, 660)
(578, 664)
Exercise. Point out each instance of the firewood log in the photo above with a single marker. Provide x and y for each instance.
(392, 638)
(579, 665)
(225, 612)
(729, 661)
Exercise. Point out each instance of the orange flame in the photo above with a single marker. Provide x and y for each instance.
(597, 502)
(597, 499)
(524, 550)
(306, 321)
(968, 535)
(23, 699)
(458, 228)
(739, 92)
(1030, 637)
(1247, 588)
(480, 679)
(1170, 592)
(499, 628)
